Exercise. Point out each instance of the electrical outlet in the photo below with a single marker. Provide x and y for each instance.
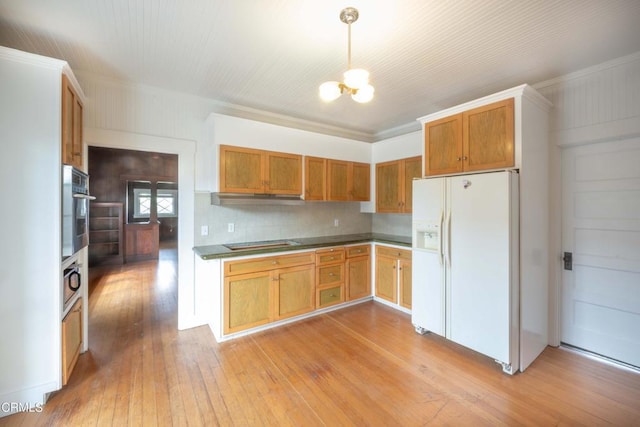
(231, 227)
(204, 230)
(336, 222)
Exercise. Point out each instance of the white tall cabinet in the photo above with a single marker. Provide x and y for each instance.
(30, 253)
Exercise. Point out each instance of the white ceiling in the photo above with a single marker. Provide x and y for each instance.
(272, 55)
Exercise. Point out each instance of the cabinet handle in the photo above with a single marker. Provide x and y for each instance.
(458, 158)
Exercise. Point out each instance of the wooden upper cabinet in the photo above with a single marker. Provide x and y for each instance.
(284, 173)
(337, 180)
(315, 178)
(443, 146)
(72, 145)
(388, 187)
(394, 184)
(360, 181)
(241, 170)
(478, 139)
(246, 170)
(488, 135)
(412, 169)
(348, 181)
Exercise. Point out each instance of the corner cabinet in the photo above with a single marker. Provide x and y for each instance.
(246, 170)
(72, 146)
(394, 184)
(393, 275)
(481, 138)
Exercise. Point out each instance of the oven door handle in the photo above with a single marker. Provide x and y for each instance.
(83, 196)
(75, 288)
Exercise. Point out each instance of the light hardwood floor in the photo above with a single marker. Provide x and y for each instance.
(362, 366)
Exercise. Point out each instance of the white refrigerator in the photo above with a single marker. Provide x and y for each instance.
(466, 261)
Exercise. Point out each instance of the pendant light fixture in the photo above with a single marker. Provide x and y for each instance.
(356, 80)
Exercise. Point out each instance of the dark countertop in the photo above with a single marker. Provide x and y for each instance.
(221, 251)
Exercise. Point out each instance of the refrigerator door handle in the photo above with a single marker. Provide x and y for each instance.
(449, 239)
(441, 249)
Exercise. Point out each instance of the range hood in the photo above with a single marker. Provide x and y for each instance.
(254, 199)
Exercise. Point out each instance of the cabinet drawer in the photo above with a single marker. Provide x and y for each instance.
(354, 251)
(393, 252)
(330, 274)
(330, 256)
(329, 296)
(267, 263)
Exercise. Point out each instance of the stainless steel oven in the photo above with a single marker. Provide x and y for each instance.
(71, 283)
(75, 210)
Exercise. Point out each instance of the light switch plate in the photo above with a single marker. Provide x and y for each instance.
(204, 230)
(231, 227)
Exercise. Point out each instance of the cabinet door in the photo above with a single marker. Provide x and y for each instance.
(358, 277)
(68, 101)
(386, 278)
(241, 170)
(295, 291)
(77, 133)
(412, 169)
(359, 182)
(315, 178)
(71, 340)
(488, 137)
(337, 177)
(283, 173)
(405, 283)
(443, 146)
(388, 187)
(247, 299)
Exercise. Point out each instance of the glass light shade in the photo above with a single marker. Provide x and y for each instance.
(364, 94)
(356, 78)
(329, 91)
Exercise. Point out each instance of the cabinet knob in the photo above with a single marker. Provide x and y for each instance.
(465, 158)
(274, 262)
(458, 158)
(332, 274)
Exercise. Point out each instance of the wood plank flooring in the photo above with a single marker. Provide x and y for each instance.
(362, 365)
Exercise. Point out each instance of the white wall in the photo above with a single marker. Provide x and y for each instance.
(30, 253)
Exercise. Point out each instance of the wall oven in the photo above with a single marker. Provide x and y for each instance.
(75, 210)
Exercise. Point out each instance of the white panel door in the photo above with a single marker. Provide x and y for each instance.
(480, 273)
(601, 227)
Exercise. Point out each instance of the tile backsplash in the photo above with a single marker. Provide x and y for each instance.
(269, 222)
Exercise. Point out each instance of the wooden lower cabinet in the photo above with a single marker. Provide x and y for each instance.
(71, 340)
(276, 288)
(393, 275)
(294, 291)
(358, 276)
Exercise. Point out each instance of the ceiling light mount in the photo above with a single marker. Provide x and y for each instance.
(356, 80)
